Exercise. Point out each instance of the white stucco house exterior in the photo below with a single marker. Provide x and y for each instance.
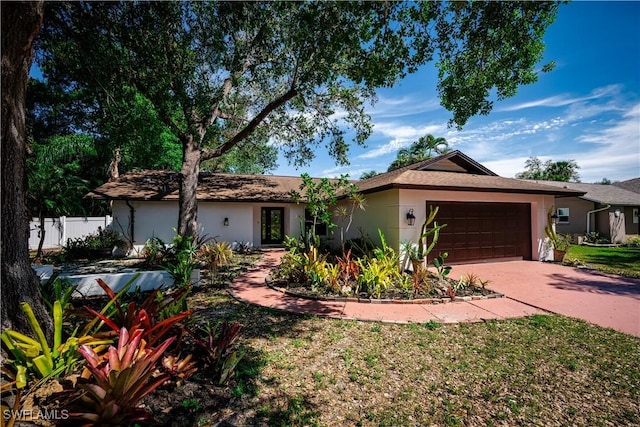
(488, 217)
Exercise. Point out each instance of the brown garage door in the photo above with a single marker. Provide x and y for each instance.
(483, 231)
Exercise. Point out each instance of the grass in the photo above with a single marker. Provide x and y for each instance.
(540, 370)
(311, 371)
(622, 260)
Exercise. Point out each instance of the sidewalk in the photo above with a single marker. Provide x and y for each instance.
(251, 288)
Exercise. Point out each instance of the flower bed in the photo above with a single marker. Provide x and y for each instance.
(375, 275)
(300, 291)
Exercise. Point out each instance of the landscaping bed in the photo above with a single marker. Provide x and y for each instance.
(308, 371)
(394, 296)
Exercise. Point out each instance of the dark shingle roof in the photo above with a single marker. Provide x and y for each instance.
(434, 174)
(163, 185)
(600, 193)
(452, 171)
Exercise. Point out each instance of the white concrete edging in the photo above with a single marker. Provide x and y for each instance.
(87, 284)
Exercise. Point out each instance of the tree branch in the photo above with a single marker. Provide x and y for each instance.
(251, 126)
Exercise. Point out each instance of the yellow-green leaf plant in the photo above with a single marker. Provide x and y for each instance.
(36, 356)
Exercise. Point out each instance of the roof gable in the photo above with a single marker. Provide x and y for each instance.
(453, 161)
(454, 171)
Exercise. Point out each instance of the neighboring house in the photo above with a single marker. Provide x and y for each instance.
(488, 217)
(629, 185)
(598, 210)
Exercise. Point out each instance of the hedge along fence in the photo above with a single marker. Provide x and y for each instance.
(58, 230)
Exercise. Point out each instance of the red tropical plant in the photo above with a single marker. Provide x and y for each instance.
(147, 316)
(349, 269)
(220, 353)
(122, 378)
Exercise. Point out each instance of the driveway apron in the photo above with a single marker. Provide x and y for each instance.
(604, 299)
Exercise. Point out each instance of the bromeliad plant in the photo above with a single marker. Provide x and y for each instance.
(221, 355)
(121, 380)
(57, 289)
(147, 316)
(37, 357)
(380, 271)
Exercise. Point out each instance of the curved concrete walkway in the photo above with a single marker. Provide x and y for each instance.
(529, 287)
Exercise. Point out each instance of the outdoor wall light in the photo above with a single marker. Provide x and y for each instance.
(226, 222)
(617, 213)
(411, 218)
(554, 218)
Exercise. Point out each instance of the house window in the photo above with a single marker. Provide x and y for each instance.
(321, 228)
(563, 215)
(635, 216)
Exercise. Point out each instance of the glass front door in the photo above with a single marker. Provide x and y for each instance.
(272, 224)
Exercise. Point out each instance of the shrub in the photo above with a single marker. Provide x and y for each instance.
(595, 237)
(86, 247)
(183, 261)
(633, 241)
(376, 277)
(155, 251)
(215, 255)
(290, 268)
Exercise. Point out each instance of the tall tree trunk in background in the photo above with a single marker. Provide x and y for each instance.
(188, 203)
(42, 233)
(20, 24)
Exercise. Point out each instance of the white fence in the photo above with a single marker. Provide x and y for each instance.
(58, 230)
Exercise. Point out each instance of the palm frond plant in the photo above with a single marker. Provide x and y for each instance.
(216, 255)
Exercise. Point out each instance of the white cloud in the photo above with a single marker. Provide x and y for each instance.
(388, 107)
(617, 155)
(401, 136)
(565, 99)
(612, 151)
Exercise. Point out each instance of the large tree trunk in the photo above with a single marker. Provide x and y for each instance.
(20, 25)
(188, 203)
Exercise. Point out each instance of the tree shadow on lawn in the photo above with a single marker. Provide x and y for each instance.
(599, 283)
(618, 260)
(244, 400)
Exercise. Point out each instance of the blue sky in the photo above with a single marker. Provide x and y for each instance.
(587, 109)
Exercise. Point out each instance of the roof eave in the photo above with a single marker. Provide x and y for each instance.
(466, 188)
(609, 202)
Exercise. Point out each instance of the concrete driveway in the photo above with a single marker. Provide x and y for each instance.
(606, 300)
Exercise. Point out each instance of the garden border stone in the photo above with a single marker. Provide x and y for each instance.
(286, 291)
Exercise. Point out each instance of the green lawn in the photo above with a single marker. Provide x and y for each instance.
(619, 260)
(541, 370)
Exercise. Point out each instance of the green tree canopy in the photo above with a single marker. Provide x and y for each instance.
(563, 170)
(221, 75)
(368, 175)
